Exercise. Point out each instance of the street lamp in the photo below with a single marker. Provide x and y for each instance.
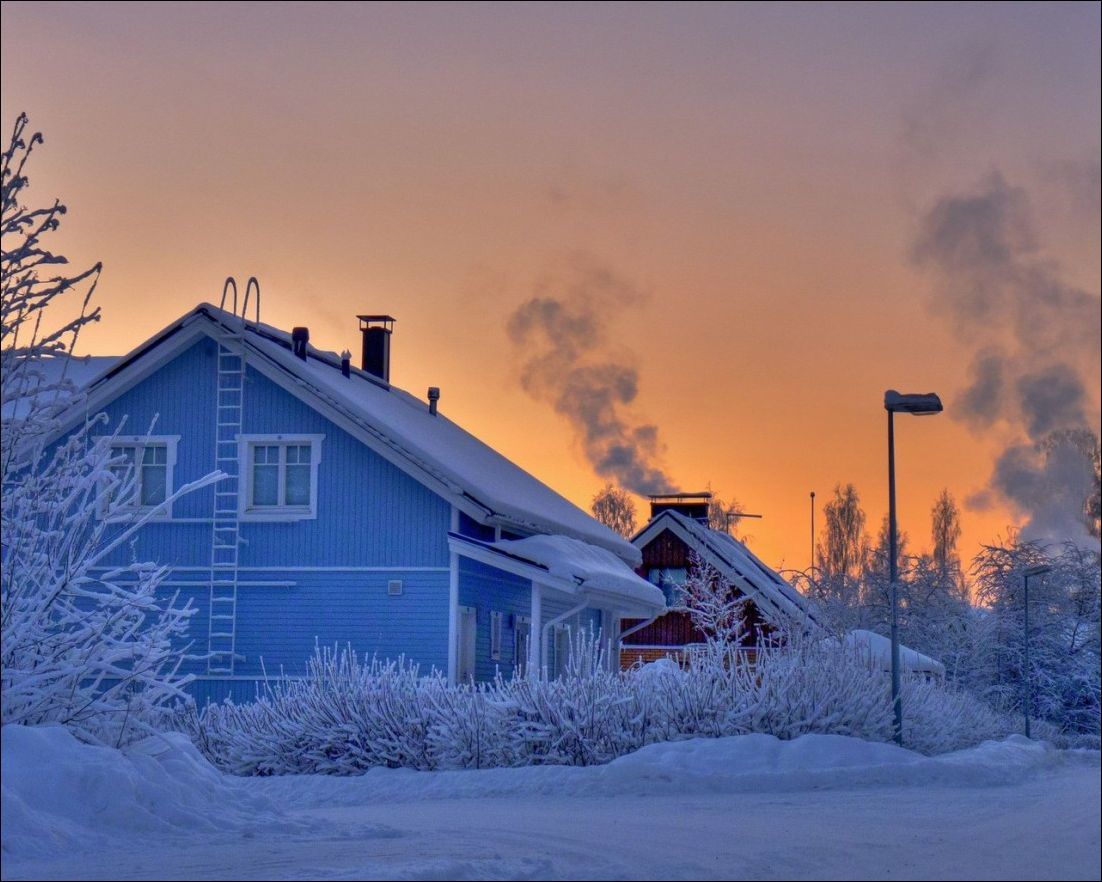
(917, 405)
(1038, 570)
(812, 570)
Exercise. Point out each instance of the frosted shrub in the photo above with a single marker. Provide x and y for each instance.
(817, 686)
(346, 715)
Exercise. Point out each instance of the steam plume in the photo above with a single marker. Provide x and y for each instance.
(1037, 367)
(563, 333)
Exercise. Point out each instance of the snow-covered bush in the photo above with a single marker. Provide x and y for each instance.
(83, 643)
(346, 715)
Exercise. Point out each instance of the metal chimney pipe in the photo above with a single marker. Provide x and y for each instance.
(434, 397)
(346, 363)
(299, 338)
(376, 330)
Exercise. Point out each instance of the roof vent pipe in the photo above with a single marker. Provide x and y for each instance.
(434, 397)
(346, 363)
(299, 338)
(376, 330)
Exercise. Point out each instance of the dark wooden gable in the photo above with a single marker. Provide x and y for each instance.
(667, 551)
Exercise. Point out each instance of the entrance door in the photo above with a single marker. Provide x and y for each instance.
(468, 631)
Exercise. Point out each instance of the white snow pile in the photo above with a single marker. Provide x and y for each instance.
(59, 793)
(61, 796)
(735, 764)
(576, 561)
(878, 649)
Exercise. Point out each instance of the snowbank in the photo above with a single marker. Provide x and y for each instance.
(60, 796)
(737, 764)
(57, 793)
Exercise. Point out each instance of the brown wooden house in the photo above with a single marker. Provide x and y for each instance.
(679, 527)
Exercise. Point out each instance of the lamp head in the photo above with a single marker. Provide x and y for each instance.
(915, 403)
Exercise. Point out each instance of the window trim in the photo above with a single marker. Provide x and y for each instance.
(163, 511)
(245, 510)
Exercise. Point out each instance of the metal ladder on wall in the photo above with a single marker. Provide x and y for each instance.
(225, 547)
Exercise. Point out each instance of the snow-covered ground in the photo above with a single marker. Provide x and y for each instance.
(743, 807)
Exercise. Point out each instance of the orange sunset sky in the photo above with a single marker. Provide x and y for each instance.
(754, 177)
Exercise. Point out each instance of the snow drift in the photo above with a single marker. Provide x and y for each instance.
(61, 796)
(59, 793)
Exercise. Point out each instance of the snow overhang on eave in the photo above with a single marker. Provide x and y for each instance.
(485, 552)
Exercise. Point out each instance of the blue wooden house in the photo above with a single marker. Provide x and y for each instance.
(352, 513)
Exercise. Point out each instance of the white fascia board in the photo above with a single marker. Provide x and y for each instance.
(473, 550)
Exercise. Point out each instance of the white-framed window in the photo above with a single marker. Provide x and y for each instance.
(142, 469)
(496, 625)
(279, 476)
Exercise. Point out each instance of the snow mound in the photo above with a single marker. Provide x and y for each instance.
(741, 763)
(57, 793)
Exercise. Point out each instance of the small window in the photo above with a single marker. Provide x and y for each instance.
(141, 467)
(281, 474)
(670, 580)
(496, 621)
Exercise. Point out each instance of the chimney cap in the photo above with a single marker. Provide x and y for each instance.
(366, 320)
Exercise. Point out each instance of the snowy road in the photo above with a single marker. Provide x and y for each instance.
(749, 807)
(1045, 828)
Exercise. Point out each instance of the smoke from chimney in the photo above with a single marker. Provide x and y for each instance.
(562, 333)
(1037, 368)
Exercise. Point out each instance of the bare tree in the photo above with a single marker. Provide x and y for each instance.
(613, 508)
(843, 551)
(723, 515)
(85, 639)
(716, 607)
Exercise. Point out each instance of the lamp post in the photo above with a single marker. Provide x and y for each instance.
(812, 570)
(1027, 680)
(918, 405)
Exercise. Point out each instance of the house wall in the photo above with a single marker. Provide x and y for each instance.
(325, 580)
(488, 589)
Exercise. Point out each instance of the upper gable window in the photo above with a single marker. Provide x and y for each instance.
(142, 471)
(280, 476)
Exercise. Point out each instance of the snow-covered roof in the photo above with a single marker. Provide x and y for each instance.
(593, 568)
(777, 600)
(591, 574)
(44, 380)
(434, 449)
(879, 651)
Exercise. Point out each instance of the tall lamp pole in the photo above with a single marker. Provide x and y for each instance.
(1027, 679)
(918, 405)
(812, 570)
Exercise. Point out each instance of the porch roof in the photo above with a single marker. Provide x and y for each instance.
(568, 565)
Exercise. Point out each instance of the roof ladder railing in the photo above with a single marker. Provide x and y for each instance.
(222, 655)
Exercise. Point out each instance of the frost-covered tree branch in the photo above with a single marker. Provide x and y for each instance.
(86, 641)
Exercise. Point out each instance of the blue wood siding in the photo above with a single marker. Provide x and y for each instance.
(375, 524)
(370, 513)
(488, 590)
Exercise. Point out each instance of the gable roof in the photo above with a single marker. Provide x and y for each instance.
(433, 449)
(778, 601)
